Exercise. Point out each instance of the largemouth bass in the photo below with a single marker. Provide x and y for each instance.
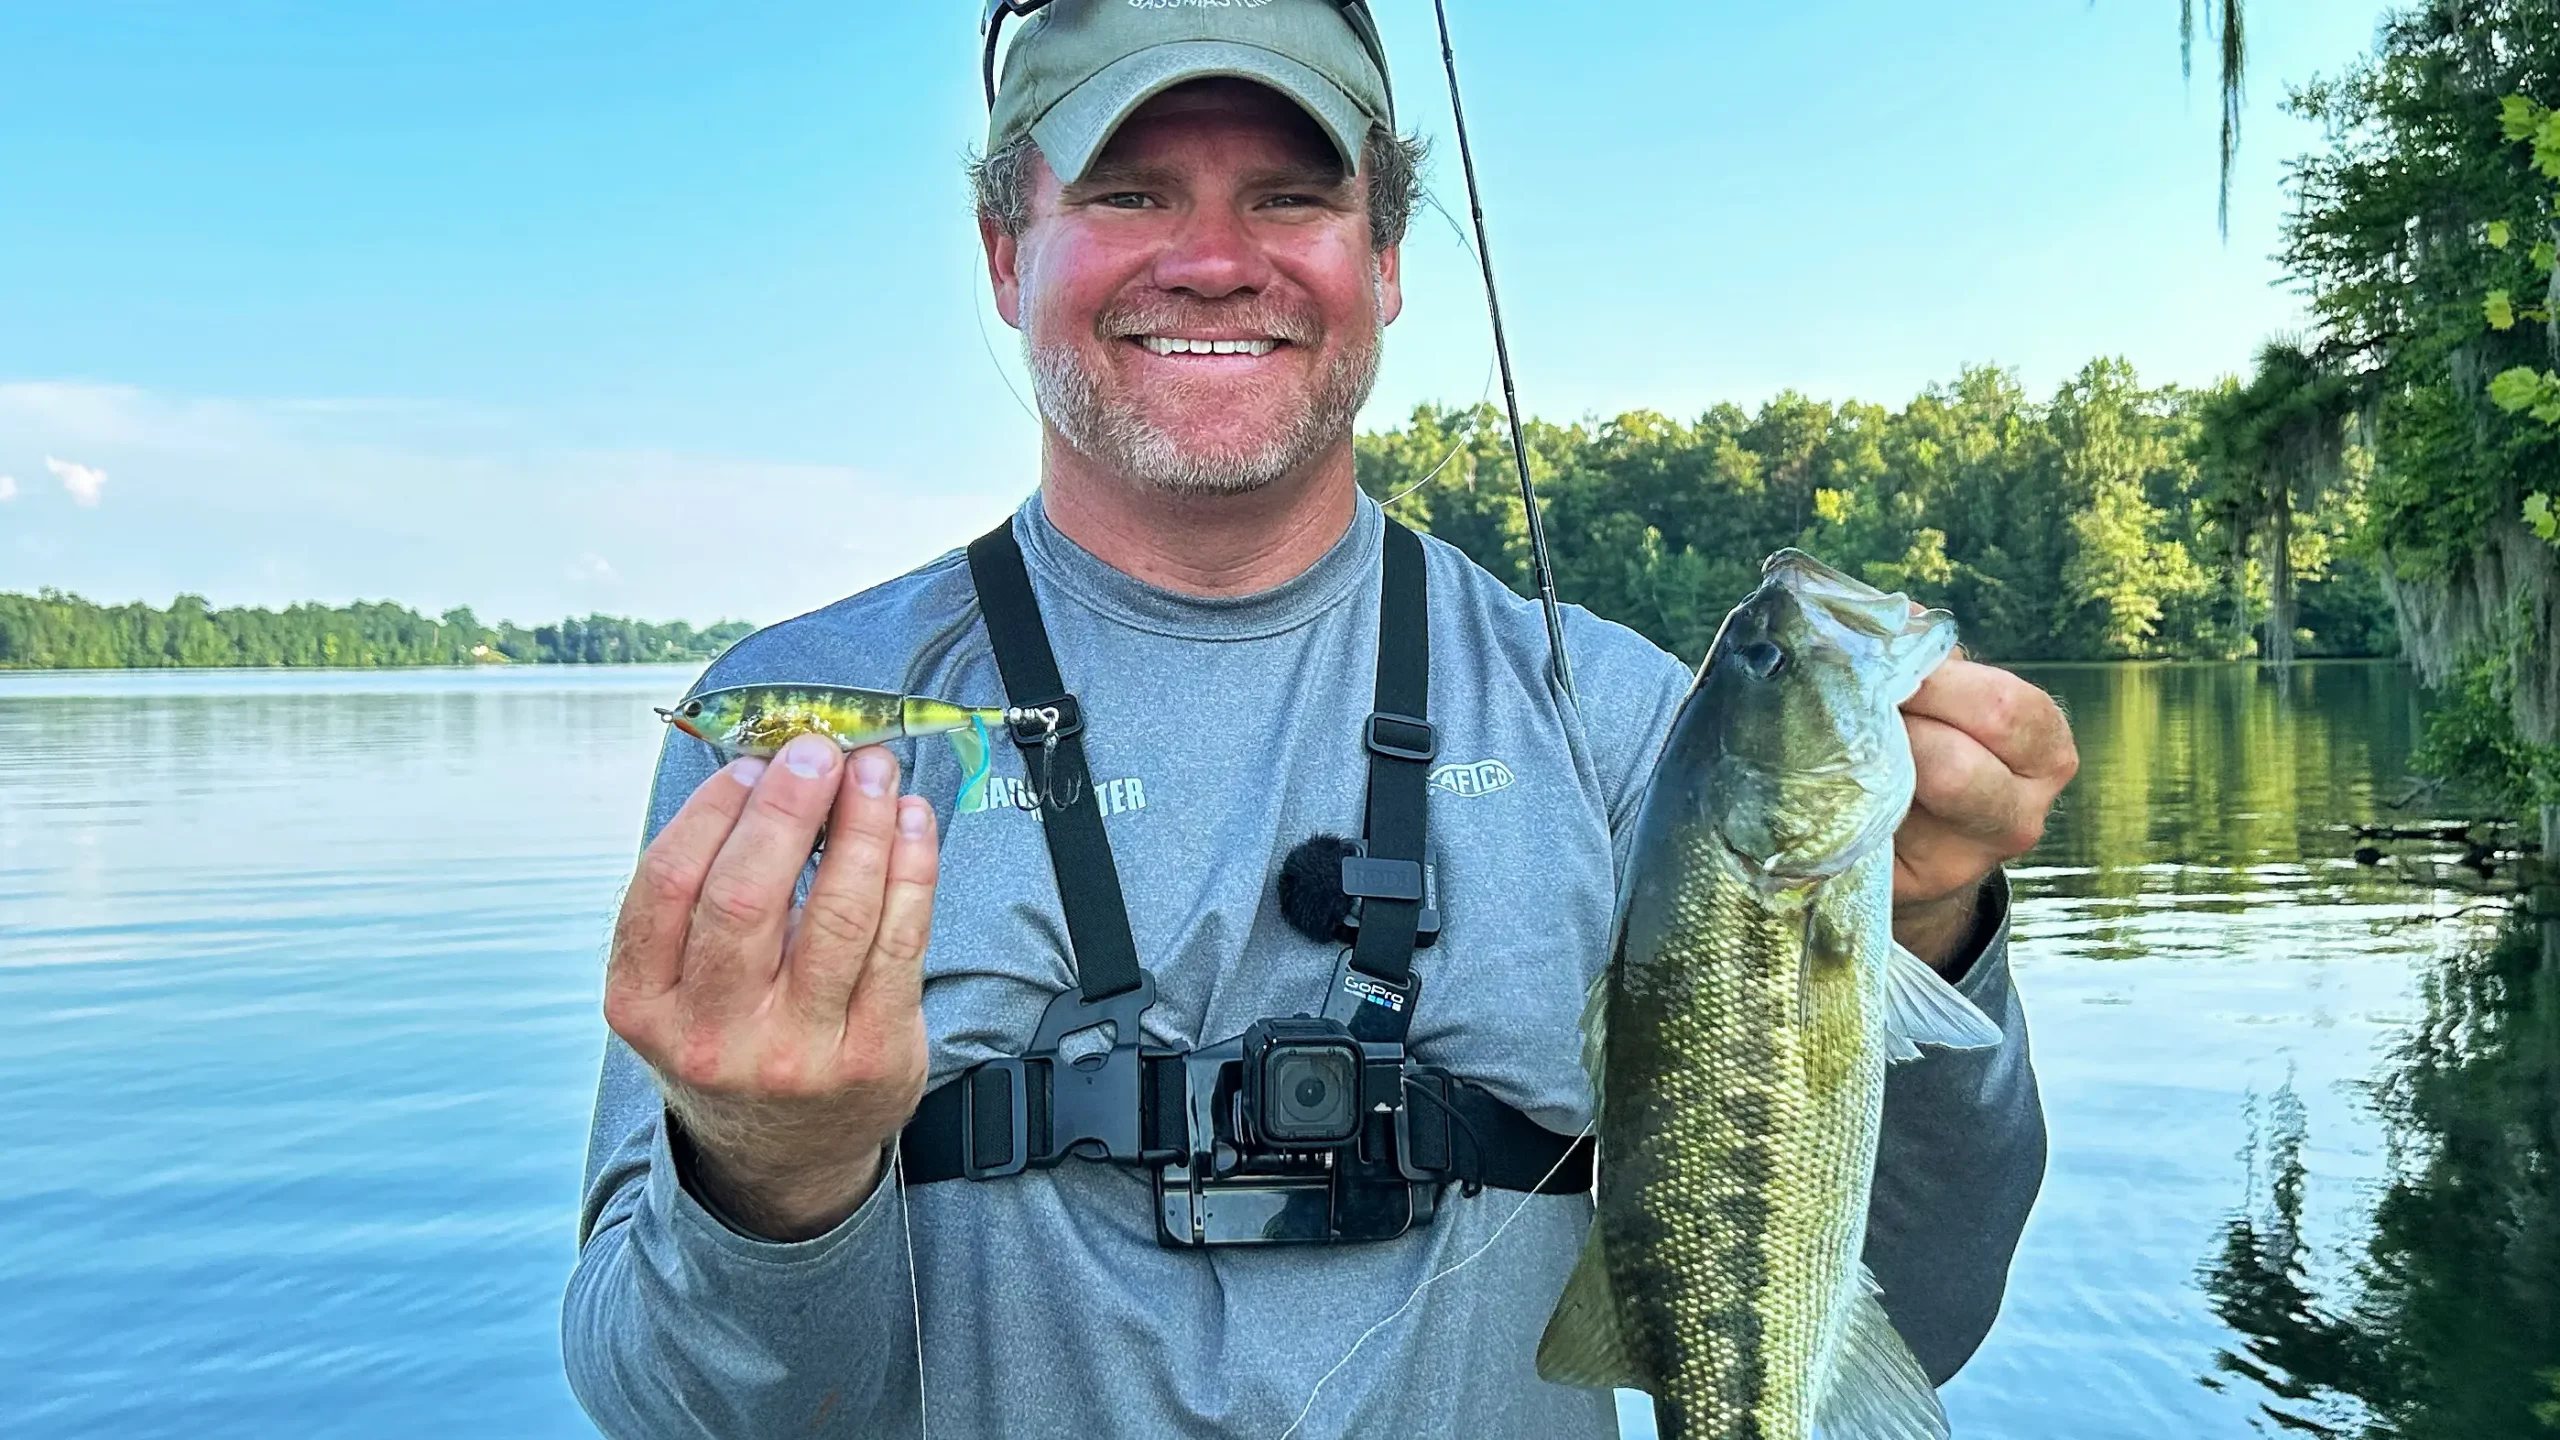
(759, 720)
(1739, 1037)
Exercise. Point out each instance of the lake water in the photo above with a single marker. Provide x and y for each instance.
(298, 979)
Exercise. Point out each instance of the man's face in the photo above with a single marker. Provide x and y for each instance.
(1202, 309)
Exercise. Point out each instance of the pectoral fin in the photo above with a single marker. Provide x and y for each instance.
(1873, 1389)
(1921, 1008)
(1583, 1345)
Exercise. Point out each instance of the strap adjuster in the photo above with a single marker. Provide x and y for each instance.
(1033, 726)
(1013, 1106)
(1403, 737)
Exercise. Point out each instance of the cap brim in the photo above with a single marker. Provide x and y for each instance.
(1076, 128)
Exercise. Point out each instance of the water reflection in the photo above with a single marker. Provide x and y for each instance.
(2201, 777)
(297, 1022)
(2447, 1324)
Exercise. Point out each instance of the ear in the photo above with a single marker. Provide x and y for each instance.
(1390, 284)
(1004, 269)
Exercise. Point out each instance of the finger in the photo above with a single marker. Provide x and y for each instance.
(893, 984)
(735, 945)
(2012, 719)
(1968, 788)
(647, 957)
(842, 911)
(1933, 860)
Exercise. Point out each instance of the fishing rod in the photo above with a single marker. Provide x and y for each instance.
(1542, 569)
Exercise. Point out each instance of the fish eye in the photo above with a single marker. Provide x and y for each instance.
(1761, 658)
(692, 708)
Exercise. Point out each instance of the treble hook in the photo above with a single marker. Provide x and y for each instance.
(1046, 792)
(1049, 774)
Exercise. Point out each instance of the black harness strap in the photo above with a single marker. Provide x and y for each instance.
(1106, 958)
(967, 1120)
(1401, 746)
(999, 1117)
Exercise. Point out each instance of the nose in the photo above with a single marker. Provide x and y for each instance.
(1213, 254)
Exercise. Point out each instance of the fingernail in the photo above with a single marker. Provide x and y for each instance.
(809, 756)
(746, 770)
(914, 818)
(871, 773)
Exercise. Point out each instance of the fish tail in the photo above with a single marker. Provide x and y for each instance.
(1875, 1388)
(977, 760)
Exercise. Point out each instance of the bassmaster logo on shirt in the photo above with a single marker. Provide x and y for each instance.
(1004, 792)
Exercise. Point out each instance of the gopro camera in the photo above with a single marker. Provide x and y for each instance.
(1301, 1084)
(1292, 1137)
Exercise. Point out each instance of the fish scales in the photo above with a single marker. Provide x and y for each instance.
(1740, 1035)
(1744, 1140)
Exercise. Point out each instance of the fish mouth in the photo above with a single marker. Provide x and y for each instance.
(677, 721)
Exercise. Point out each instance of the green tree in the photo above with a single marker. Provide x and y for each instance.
(53, 630)
(2121, 568)
(2279, 443)
(2081, 528)
(2393, 234)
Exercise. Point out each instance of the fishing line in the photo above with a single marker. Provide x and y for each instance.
(1433, 1279)
(978, 313)
(1483, 396)
(915, 1288)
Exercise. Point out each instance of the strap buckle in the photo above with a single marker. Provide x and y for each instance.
(1097, 1102)
(1403, 737)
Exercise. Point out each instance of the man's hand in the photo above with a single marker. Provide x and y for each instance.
(790, 1043)
(1992, 752)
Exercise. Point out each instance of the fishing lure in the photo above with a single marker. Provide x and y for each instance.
(758, 720)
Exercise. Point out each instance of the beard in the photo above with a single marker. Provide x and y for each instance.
(1112, 428)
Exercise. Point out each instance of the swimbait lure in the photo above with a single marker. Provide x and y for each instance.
(758, 720)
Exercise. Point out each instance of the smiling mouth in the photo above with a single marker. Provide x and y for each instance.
(1184, 345)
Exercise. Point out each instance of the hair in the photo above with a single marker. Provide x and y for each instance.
(1001, 183)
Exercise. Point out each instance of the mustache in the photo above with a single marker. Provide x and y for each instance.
(1262, 316)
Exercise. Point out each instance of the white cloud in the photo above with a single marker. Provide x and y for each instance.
(85, 482)
(271, 502)
(8, 488)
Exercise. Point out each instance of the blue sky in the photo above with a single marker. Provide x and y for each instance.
(677, 311)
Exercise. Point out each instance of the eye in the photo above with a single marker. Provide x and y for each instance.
(1761, 658)
(1126, 200)
(692, 708)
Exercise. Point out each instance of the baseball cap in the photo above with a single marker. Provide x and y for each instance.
(1077, 68)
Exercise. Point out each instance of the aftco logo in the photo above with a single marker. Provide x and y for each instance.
(1481, 778)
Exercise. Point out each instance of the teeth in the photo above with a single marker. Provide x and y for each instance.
(1177, 345)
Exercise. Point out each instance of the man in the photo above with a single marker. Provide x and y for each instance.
(1191, 213)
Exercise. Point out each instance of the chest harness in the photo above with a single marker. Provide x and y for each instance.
(1303, 1129)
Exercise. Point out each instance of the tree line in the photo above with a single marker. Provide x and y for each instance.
(51, 630)
(2109, 521)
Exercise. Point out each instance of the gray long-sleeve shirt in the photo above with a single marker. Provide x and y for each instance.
(1220, 733)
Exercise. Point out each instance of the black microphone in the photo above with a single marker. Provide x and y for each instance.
(1315, 902)
(1312, 899)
